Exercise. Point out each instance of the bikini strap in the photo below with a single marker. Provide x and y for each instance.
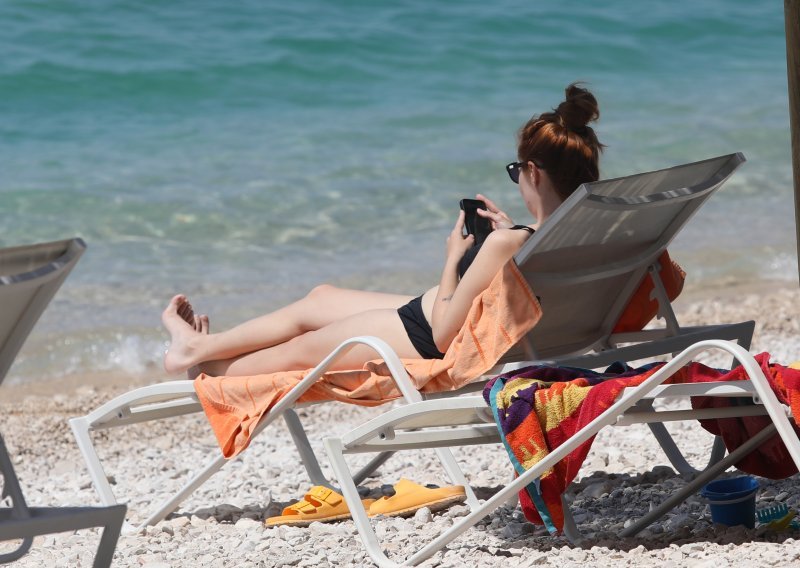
(524, 228)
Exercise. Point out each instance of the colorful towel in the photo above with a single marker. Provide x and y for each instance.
(539, 408)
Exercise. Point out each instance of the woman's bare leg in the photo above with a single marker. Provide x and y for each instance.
(322, 306)
(308, 349)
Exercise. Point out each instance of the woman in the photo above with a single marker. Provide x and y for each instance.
(557, 151)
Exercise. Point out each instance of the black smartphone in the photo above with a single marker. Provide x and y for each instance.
(475, 225)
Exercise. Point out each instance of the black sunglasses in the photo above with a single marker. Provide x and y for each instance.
(514, 168)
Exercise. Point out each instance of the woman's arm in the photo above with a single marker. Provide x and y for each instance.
(455, 298)
(457, 246)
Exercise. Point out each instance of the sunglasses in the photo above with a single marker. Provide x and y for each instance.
(514, 168)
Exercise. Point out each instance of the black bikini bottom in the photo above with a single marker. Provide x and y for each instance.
(418, 329)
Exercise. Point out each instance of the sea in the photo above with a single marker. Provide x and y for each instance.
(243, 152)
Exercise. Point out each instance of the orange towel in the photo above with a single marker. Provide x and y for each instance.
(498, 318)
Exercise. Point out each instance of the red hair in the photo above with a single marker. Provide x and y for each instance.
(562, 143)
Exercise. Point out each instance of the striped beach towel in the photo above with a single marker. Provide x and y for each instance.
(538, 408)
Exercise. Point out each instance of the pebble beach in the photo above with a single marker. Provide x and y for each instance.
(222, 523)
(242, 153)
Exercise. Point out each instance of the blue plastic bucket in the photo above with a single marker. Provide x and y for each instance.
(732, 501)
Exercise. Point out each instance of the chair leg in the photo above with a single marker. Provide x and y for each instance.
(743, 338)
(83, 437)
(571, 531)
(674, 454)
(11, 487)
(348, 482)
(21, 551)
(109, 538)
(304, 448)
(667, 444)
(80, 429)
(350, 492)
(309, 458)
(717, 451)
(456, 475)
(172, 503)
(48, 520)
(706, 475)
(21, 521)
(371, 466)
(19, 508)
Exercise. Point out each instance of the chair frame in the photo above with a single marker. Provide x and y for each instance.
(19, 521)
(422, 425)
(178, 397)
(23, 522)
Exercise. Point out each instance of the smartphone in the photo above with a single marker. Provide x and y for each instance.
(475, 225)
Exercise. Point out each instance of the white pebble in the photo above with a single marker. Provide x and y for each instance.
(423, 515)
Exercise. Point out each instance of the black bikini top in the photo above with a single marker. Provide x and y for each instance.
(472, 252)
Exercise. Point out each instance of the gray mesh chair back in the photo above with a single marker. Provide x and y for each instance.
(29, 278)
(591, 255)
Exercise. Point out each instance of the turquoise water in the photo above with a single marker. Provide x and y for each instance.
(243, 152)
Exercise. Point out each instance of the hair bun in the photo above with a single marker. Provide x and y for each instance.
(579, 109)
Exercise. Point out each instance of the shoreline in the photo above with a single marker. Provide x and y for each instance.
(726, 288)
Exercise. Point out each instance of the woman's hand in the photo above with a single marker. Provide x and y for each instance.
(457, 243)
(498, 218)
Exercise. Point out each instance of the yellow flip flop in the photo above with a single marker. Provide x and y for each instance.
(321, 504)
(409, 497)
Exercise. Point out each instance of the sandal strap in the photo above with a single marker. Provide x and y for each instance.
(312, 500)
(323, 494)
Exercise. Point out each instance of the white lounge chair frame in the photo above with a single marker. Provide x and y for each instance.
(468, 421)
(29, 278)
(177, 398)
(680, 190)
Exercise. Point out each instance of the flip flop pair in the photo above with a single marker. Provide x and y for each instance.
(322, 504)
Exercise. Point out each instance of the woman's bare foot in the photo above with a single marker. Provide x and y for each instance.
(200, 325)
(185, 310)
(182, 350)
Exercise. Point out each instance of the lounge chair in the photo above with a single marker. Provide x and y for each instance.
(29, 277)
(594, 251)
(585, 263)
(467, 421)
